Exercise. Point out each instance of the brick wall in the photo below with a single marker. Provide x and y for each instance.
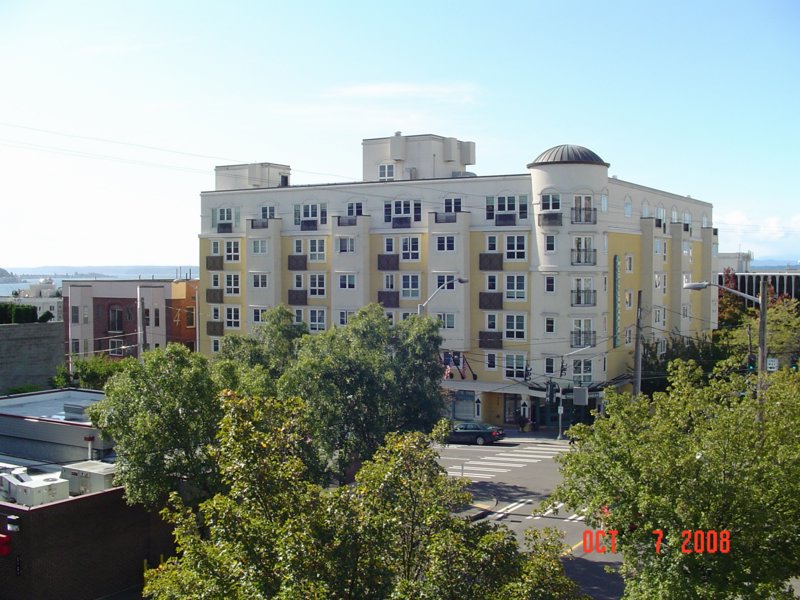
(84, 548)
(30, 353)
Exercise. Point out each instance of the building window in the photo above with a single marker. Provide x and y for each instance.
(344, 316)
(629, 336)
(491, 322)
(354, 209)
(491, 361)
(157, 317)
(549, 365)
(628, 207)
(316, 284)
(388, 281)
(447, 320)
(75, 346)
(628, 299)
(515, 327)
(215, 345)
(491, 243)
(549, 243)
(316, 319)
(231, 284)
(490, 208)
(147, 317)
(267, 212)
(448, 281)
(259, 246)
(491, 283)
(347, 281)
(410, 286)
(347, 244)
(215, 313)
(446, 243)
(224, 215)
(388, 245)
(75, 312)
(316, 250)
(452, 205)
(685, 311)
(551, 201)
(297, 246)
(114, 347)
(386, 173)
(603, 203)
(298, 281)
(582, 371)
(515, 366)
(232, 317)
(258, 314)
(515, 247)
(515, 287)
(215, 280)
(215, 247)
(550, 284)
(549, 325)
(232, 250)
(658, 315)
(298, 315)
(259, 280)
(387, 211)
(417, 210)
(190, 316)
(629, 263)
(115, 318)
(409, 248)
(390, 316)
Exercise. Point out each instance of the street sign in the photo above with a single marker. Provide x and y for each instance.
(772, 364)
(561, 410)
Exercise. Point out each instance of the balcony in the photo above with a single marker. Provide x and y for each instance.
(308, 225)
(491, 340)
(550, 219)
(259, 223)
(490, 261)
(490, 300)
(347, 221)
(401, 223)
(214, 263)
(389, 299)
(224, 227)
(215, 328)
(297, 262)
(584, 257)
(582, 339)
(445, 217)
(298, 297)
(583, 298)
(584, 216)
(214, 295)
(388, 262)
(505, 220)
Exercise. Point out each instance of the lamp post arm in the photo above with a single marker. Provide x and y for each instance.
(420, 307)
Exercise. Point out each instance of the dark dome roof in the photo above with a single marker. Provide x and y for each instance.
(568, 153)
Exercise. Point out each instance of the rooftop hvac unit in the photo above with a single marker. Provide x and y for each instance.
(463, 174)
(88, 477)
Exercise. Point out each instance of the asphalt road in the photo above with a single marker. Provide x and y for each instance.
(519, 473)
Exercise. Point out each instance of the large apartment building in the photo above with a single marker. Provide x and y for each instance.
(539, 271)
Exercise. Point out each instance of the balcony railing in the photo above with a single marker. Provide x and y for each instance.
(215, 328)
(586, 216)
(582, 339)
(492, 340)
(401, 222)
(297, 262)
(490, 300)
(505, 219)
(259, 223)
(214, 263)
(583, 298)
(298, 297)
(214, 295)
(584, 257)
(347, 221)
(308, 225)
(550, 219)
(224, 227)
(490, 261)
(388, 262)
(389, 299)
(446, 217)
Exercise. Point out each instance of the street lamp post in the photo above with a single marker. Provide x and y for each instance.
(421, 307)
(761, 300)
(561, 395)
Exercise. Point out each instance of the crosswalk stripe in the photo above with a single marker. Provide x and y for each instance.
(479, 467)
(520, 459)
(468, 475)
(527, 455)
(494, 464)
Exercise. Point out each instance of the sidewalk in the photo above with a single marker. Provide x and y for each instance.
(515, 435)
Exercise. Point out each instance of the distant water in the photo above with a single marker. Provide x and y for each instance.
(59, 273)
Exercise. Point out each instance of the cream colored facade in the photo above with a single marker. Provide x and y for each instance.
(554, 258)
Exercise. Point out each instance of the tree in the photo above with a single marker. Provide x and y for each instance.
(392, 535)
(89, 373)
(783, 330)
(655, 364)
(163, 415)
(697, 458)
(366, 379)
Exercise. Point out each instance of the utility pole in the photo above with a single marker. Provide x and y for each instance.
(637, 353)
(762, 328)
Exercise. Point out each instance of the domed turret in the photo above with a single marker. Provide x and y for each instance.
(569, 154)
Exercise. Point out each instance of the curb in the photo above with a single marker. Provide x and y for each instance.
(479, 510)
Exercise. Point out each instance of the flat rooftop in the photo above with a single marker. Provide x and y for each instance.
(50, 404)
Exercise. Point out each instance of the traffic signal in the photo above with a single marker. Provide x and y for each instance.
(793, 362)
(751, 363)
(5, 544)
(551, 392)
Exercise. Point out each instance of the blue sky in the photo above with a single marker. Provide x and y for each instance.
(114, 114)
